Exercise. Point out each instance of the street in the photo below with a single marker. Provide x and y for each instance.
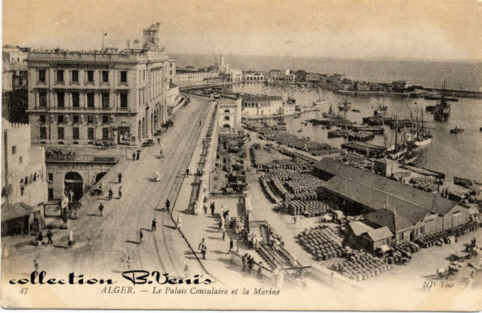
(110, 243)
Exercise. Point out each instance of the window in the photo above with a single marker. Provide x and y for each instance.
(60, 99)
(60, 76)
(105, 100)
(42, 119)
(123, 100)
(14, 149)
(75, 133)
(226, 118)
(90, 76)
(76, 119)
(51, 194)
(226, 111)
(90, 133)
(105, 133)
(105, 119)
(90, 119)
(105, 76)
(75, 76)
(43, 132)
(60, 119)
(60, 133)
(43, 98)
(123, 76)
(20, 159)
(75, 100)
(41, 76)
(90, 100)
(51, 178)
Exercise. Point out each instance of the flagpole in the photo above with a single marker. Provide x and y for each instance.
(103, 36)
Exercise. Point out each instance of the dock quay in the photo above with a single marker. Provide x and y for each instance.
(367, 149)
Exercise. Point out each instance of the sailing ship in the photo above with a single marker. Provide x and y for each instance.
(318, 101)
(398, 150)
(419, 136)
(330, 113)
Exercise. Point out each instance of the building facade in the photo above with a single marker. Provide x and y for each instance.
(24, 180)
(253, 77)
(229, 114)
(258, 106)
(84, 97)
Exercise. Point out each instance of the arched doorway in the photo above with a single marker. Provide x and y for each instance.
(99, 176)
(73, 181)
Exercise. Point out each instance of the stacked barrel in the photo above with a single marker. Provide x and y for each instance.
(306, 208)
(321, 242)
(361, 266)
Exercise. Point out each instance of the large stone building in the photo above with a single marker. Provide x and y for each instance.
(229, 114)
(83, 97)
(80, 101)
(14, 84)
(260, 106)
(24, 180)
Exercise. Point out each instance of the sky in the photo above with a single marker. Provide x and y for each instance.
(422, 29)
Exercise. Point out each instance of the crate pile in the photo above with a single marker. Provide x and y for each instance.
(307, 208)
(322, 242)
(361, 266)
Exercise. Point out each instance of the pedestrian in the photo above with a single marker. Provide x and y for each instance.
(133, 156)
(168, 204)
(101, 209)
(119, 178)
(205, 208)
(141, 235)
(212, 208)
(231, 245)
(153, 225)
(40, 238)
(203, 241)
(35, 264)
(110, 194)
(243, 260)
(224, 233)
(178, 222)
(71, 238)
(49, 237)
(159, 140)
(187, 171)
(119, 191)
(294, 219)
(138, 154)
(204, 249)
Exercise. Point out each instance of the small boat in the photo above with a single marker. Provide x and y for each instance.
(464, 182)
(456, 130)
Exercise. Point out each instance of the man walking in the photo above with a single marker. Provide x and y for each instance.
(111, 194)
(119, 191)
(168, 204)
(231, 245)
(133, 155)
(154, 224)
(204, 249)
(101, 209)
(119, 178)
(49, 237)
(141, 235)
(212, 208)
(71, 238)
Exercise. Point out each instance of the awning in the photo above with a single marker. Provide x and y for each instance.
(16, 210)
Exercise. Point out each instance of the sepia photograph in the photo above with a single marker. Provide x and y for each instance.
(241, 155)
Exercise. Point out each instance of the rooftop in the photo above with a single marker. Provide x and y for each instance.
(378, 192)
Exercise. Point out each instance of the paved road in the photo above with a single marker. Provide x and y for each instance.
(111, 243)
(117, 236)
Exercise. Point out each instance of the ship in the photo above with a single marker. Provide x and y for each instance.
(456, 130)
(419, 136)
(318, 101)
(441, 112)
(344, 106)
(330, 113)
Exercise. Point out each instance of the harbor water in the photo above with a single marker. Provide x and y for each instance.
(454, 155)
